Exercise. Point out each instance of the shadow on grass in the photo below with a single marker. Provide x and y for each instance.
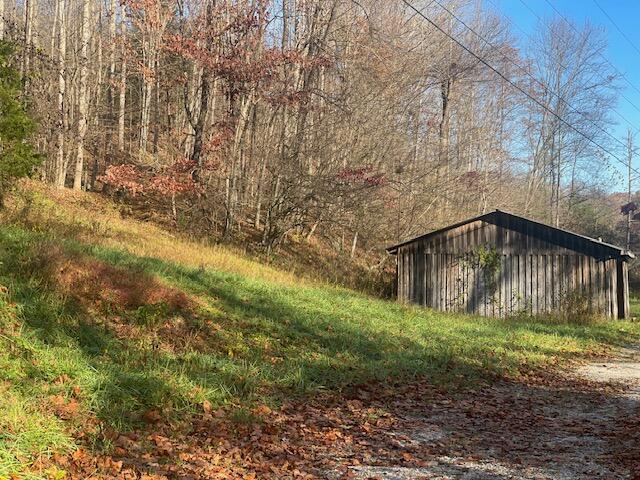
(342, 337)
(256, 341)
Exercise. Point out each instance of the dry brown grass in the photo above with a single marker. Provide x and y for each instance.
(94, 219)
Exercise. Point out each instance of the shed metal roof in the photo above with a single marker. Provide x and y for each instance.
(500, 215)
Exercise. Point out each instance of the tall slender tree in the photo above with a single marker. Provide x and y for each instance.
(83, 93)
(60, 171)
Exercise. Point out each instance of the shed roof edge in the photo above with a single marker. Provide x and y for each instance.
(620, 251)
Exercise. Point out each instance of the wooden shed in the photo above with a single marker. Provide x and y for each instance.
(500, 264)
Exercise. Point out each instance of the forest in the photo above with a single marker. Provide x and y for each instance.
(354, 123)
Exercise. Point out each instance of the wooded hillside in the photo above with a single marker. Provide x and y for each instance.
(361, 123)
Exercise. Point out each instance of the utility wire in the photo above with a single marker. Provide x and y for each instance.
(526, 72)
(517, 87)
(625, 119)
(424, 8)
(635, 47)
(601, 55)
(572, 26)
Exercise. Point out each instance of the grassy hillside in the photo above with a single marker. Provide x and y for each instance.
(108, 323)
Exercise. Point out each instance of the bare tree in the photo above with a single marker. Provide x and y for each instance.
(122, 84)
(579, 92)
(60, 171)
(83, 92)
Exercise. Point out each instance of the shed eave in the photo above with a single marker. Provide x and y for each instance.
(394, 248)
(619, 252)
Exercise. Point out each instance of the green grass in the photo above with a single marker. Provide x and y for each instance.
(256, 336)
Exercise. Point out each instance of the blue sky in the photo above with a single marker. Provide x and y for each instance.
(626, 15)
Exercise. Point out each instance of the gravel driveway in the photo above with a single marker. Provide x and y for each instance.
(567, 427)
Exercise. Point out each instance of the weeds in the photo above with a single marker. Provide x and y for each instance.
(573, 308)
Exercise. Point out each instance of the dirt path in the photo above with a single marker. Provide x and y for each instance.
(569, 427)
(583, 424)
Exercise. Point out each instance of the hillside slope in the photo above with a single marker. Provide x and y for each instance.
(109, 325)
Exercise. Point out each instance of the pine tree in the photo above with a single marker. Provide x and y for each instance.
(18, 158)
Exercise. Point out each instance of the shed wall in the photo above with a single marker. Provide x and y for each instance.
(534, 275)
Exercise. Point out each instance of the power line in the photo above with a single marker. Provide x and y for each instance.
(425, 7)
(521, 68)
(514, 85)
(623, 76)
(624, 118)
(617, 27)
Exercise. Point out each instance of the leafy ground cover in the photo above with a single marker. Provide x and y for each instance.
(113, 332)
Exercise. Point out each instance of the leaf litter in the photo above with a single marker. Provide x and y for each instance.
(579, 423)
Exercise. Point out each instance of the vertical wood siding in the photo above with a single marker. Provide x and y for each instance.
(535, 275)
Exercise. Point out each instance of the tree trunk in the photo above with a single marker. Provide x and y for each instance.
(150, 59)
(111, 102)
(90, 180)
(122, 93)
(198, 128)
(26, 56)
(2, 22)
(83, 93)
(156, 113)
(196, 151)
(61, 164)
(354, 244)
(147, 86)
(262, 176)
